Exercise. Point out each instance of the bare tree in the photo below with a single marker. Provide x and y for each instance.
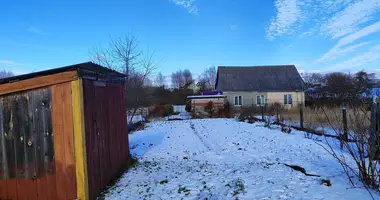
(123, 54)
(313, 78)
(160, 80)
(187, 78)
(177, 79)
(362, 81)
(341, 86)
(207, 79)
(148, 82)
(6, 74)
(210, 77)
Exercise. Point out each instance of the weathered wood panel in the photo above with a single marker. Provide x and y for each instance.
(106, 132)
(38, 82)
(24, 121)
(59, 148)
(3, 164)
(64, 141)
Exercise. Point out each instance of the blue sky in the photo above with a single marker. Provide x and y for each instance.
(315, 35)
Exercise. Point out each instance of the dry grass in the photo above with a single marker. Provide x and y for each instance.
(326, 117)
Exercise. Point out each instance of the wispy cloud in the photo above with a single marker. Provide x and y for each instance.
(347, 22)
(233, 27)
(9, 63)
(360, 60)
(339, 51)
(189, 5)
(331, 18)
(35, 30)
(288, 14)
(341, 48)
(349, 19)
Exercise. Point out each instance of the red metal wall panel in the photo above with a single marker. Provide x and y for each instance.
(106, 132)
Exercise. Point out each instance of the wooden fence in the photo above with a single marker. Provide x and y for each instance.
(338, 120)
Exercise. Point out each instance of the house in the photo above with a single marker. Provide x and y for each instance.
(194, 87)
(200, 102)
(63, 132)
(261, 85)
(374, 90)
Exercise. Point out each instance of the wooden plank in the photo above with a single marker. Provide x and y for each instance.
(49, 161)
(114, 145)
(25, 186)
(11, 183)
(59, 142)
(101, 134)
(38, 82)
(12, 189)
(106, 135)
(3, 167)
(40, 117)
(68, 128)
(3, 189)
(37, 123)
(2, 145)
(122, 121)
(91, 137)
(80, 139)
(25, 143)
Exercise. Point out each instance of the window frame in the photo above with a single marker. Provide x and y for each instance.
(238, 101)
(262, 100)
(289, 99)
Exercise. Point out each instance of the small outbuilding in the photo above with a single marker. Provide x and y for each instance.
(200, 102)
(63, 132)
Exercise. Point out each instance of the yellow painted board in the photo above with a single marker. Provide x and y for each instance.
(79, 139)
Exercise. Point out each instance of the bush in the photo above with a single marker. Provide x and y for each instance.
(162, 110)
(209, 108)
(225, 111)
(247, 112)
(275, 109)
(168, 110)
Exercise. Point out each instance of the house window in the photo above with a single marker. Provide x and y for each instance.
(238, 100)
(260, 100)
(288, 99)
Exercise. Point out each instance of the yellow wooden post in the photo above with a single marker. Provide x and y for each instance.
(79, 139)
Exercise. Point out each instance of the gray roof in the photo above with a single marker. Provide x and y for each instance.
(259, 78)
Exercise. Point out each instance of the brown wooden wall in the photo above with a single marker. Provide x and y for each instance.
(106, 132)
(36, 144)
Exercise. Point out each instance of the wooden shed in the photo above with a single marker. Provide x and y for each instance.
(63, 132)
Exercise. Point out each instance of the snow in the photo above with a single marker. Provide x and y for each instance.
(206, 96)
(135, 119)
(183, 116)
(225, 159)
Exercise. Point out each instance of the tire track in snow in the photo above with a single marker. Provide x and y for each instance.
(192, 126)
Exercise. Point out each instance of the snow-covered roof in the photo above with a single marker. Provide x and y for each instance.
(205, 96)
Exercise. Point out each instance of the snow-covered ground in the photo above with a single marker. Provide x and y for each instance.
(183, 116)
(224, 159)
(135, 119)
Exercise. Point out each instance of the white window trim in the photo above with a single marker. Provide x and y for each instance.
(264, 100)
(288, 97)
(238, 100)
